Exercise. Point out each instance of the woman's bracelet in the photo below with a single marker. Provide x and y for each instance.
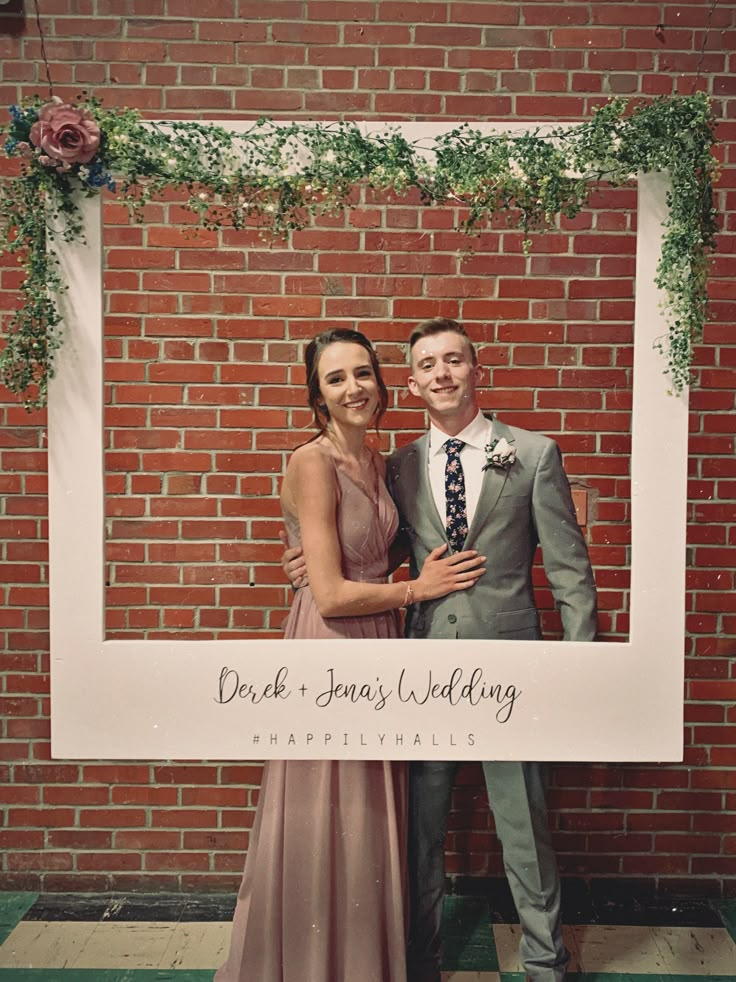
(409, 598)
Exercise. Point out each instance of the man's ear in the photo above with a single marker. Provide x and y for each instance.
(479, 373)
(412, 386)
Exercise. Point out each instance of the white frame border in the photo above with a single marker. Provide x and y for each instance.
(156, 699)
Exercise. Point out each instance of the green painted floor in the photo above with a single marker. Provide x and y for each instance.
(88, 938)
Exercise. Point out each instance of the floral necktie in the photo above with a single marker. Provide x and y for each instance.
(456, 521)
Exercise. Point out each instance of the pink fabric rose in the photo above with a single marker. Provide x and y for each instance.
(66, 134)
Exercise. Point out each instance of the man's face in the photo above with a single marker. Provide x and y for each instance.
(444, 376)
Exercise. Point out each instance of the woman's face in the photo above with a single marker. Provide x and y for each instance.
(348, 384)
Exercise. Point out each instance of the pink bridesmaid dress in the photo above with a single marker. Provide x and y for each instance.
(323, 892)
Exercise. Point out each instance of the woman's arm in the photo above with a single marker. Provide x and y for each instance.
(310, 482)
(295, 568)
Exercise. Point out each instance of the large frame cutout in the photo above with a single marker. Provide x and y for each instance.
(418, 699)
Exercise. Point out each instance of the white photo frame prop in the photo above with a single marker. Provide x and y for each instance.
(236, 700)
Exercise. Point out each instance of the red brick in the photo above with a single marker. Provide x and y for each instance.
(588, 38)
(41, 817)
(20, 795)
(418, 13)
(111, 818)
(45, 860)
(179, 860)
(140, 795)
(405, 104)
(75, 795)
(108, 860)
(209, 331)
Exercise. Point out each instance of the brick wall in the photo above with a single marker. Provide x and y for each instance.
(204, 387)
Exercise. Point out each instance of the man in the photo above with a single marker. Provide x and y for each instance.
(511, 504)
(476, 483)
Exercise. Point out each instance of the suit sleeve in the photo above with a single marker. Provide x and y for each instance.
(400, 548)
(564, 552)
(393, 483)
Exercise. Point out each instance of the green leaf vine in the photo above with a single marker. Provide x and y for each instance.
(278, 177)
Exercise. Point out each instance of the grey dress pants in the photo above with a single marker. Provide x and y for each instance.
(516, 797)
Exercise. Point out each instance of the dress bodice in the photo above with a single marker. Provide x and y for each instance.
(367, 522)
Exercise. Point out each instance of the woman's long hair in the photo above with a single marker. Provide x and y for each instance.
(338, 335)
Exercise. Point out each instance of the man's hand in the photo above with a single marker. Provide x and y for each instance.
(293, 564)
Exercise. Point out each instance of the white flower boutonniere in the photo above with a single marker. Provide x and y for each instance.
(499, 453)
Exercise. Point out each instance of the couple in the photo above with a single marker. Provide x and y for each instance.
(323, 893)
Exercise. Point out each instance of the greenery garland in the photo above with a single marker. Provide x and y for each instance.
(279, 176)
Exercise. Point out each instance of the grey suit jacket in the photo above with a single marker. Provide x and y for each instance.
(519, 508)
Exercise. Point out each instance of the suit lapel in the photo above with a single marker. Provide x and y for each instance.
(494, 479)
(425, 503)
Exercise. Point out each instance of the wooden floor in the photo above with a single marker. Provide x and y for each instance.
(84, 938)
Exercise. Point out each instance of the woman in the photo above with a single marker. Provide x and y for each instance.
(322, 897)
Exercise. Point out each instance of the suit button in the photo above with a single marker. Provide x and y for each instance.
(451, 618)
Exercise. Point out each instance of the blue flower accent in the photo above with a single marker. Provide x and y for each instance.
(10, 145)
(98, 177)
(16, 113)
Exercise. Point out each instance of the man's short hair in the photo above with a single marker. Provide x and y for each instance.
(439, 325)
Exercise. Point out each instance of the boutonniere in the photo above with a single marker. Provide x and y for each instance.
(499, 453)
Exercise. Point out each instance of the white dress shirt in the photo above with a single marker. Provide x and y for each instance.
(475, 436)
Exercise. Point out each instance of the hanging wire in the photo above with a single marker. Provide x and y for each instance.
(43, 50)
(702, 49)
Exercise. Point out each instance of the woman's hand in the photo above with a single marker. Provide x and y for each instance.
(293, 564)
(441, 576)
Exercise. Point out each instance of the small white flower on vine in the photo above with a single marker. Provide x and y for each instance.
(516, 169)
(270, 208)
(499, 453)
(329, 157)
(202, 195)
(171, 162)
